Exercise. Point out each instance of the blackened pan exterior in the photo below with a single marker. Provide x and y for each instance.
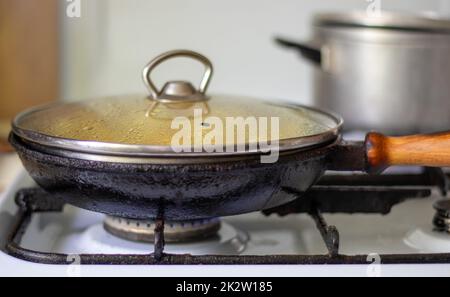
(175, 192)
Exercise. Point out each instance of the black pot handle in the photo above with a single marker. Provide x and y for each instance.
(307, 50)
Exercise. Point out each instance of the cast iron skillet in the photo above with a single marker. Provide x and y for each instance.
(219, 186)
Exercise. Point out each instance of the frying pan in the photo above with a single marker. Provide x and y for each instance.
(144, 182)
(223, 186)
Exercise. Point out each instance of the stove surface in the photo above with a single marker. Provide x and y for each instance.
(407, 229)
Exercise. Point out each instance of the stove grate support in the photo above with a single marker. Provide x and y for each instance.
(318, 201)
(159, 240)
(330, 234)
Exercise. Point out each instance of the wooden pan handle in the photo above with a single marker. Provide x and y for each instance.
(432, 150)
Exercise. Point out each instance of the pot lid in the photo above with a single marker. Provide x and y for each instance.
(385, 20)
(178, 120)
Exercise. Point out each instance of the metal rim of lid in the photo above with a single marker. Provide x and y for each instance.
(130, 153)
(385, 20)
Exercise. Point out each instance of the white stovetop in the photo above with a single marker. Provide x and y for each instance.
(360, 234)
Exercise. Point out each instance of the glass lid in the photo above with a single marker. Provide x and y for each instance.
(176, 120)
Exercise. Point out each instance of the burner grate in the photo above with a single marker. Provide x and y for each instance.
(334, 194)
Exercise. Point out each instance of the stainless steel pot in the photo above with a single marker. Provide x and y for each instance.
(390, 72)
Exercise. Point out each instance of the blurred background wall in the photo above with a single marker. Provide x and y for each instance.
(29, 57)
(105, 49)
(46, 54)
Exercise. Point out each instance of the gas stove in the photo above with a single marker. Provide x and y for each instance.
(392, 224)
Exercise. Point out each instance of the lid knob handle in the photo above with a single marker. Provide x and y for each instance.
(178, 90)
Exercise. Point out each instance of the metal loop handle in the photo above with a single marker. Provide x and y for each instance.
(174, 54)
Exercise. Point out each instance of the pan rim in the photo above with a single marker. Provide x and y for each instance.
(24, 146)
(130, 153)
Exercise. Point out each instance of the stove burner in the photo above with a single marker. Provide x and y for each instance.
(442, 218)
(174, 232)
